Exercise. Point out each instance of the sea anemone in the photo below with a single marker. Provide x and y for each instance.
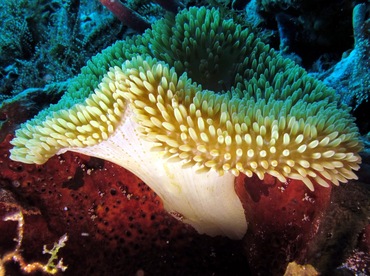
(191, 104)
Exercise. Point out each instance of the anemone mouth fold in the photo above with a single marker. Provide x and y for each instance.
(270, 117)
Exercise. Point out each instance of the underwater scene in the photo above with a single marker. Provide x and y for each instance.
(151, 137)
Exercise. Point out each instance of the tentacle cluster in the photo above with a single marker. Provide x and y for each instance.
(229, 133)
(205, 91)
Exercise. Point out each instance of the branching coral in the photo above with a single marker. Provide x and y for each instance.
(49, 41)
(350, 76)
(188, 106)
(49, 268)
(360, 80)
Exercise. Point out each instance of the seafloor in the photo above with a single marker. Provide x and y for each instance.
(115, 224)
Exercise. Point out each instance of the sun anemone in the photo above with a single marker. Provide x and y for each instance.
(189, 105)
